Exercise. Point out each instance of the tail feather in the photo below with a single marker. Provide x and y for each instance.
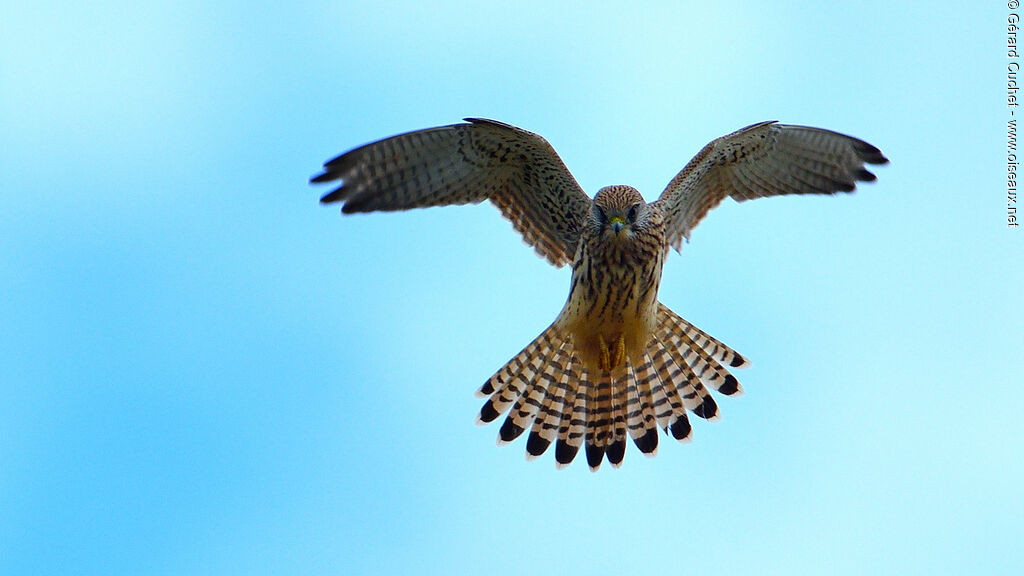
(599, 410)
(509, 383)
(501, 379)
(527, 406)
(659, 398)
(599, 418)
(642, 422)
(634, 407)
(616, 452)
(695, 396)
(595, 454)
(545, 426)
(620, 399)
(668, 373)
(548, 390)
(573, 424)
(606, 418)
(708, 343)
(703, 363)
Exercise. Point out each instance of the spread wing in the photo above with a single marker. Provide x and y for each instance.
(516, 170)
(765, 159)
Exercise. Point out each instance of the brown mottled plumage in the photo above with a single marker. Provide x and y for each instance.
(616, 361)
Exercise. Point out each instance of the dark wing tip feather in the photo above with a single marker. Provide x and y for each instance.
(334, 171)
(324, 176)
(864, 175)
(336, 195)
(869, 153)
(359, 203)
(345, 161)
(488, 121)
(841, 186)
(335, 168)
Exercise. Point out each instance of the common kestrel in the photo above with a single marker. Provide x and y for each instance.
(615, 361)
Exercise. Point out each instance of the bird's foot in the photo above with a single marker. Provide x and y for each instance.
(620, 352)
(606, 355)
(612, 359)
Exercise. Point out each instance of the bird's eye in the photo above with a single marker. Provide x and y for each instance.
(599, 213)
(632, 212)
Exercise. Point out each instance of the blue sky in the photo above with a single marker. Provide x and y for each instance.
(202, 371)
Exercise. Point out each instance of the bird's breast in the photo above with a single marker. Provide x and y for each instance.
(612, 298)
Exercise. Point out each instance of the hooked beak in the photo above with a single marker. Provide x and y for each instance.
(618, 223)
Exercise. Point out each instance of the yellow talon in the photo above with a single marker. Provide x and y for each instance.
(620, 352)
(609, 362)
(606, 356)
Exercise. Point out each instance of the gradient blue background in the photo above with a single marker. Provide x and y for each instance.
(202, 371)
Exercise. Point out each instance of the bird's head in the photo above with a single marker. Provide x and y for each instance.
(618, 213)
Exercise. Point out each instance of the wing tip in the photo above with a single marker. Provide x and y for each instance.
(864, 175)
(322, 177)
(869, 153)
(488, 121)
(335, 168)
(336, 195)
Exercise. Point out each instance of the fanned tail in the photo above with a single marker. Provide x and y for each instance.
(548, 390)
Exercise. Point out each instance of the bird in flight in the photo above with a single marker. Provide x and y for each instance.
(616, 362)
